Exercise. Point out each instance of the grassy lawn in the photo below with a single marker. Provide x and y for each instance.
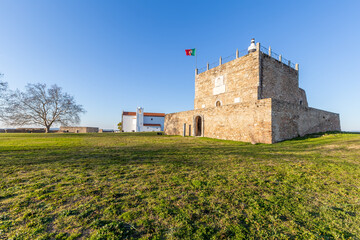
(124, 186)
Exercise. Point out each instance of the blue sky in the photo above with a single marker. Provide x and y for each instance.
(117, 55)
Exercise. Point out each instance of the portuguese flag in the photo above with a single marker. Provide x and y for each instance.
(190, 52)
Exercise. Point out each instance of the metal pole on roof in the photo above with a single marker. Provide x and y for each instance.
(195, 58)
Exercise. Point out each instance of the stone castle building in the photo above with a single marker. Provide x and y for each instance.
(253, 98)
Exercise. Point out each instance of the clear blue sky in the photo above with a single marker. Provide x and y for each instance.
(117, 55)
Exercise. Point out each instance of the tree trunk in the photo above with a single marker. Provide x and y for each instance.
(47, 129)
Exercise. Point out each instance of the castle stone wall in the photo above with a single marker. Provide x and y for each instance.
(292, 120)
(248, 122)
(240, 79)
(279, 81)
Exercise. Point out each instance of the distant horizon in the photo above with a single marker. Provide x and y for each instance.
(351, 131)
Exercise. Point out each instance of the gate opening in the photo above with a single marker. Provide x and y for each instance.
(198, 126)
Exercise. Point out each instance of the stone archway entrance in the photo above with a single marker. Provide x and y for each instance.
(198, 125)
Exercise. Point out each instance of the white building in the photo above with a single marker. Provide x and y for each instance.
(141, 121)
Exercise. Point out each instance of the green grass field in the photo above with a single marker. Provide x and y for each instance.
(124, 186)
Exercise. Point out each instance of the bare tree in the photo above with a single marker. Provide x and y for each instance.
(3, 87)
(3, 95)
(39, 105)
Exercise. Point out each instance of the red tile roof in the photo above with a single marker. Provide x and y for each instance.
(129, 113)
(155, 114)
(152, 125)
(145, 114)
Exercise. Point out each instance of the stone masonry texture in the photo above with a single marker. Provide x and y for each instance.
(260, 102)
(79, 129)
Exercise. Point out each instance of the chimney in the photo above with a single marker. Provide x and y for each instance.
(252, 47)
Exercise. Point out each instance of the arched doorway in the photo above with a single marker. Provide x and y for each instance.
(198, 124)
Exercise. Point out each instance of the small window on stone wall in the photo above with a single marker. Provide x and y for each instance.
(218, 103)
(300, 102)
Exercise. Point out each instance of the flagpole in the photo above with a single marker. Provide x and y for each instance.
(195, 58)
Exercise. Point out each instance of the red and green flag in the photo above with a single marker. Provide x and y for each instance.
(190, 52)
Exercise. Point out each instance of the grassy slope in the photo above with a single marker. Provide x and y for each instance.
(98, 186)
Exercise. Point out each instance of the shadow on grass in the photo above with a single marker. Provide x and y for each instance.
(197, 153)
(180, 151)
(314, 135)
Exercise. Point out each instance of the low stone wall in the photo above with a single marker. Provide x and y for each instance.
(292, 120)
(25, 130)
(79, 129)
(248, 122)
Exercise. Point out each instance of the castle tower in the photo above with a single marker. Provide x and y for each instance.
(253, 98)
